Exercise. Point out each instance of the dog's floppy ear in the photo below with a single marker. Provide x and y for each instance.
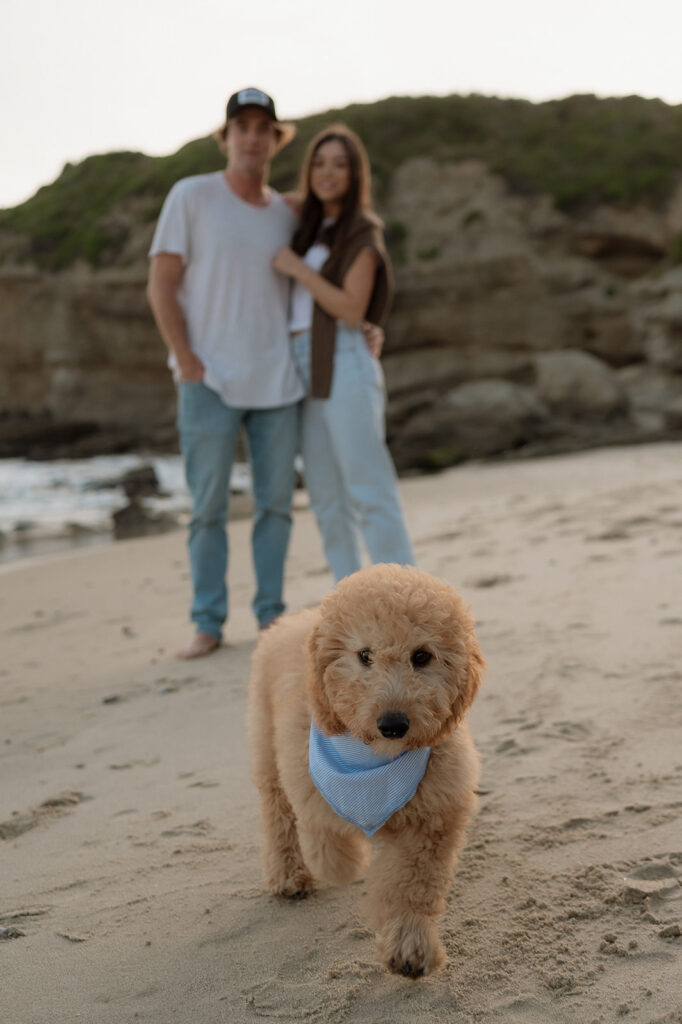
(316, 664)
(472, 677)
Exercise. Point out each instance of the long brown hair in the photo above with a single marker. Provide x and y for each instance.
(356, 200)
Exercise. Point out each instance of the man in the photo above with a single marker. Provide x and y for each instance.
(222, 312)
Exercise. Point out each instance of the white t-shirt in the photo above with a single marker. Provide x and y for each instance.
(235, 305)
(301, 304)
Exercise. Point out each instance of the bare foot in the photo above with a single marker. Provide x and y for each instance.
(201, 645)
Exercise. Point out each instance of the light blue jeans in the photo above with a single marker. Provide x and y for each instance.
(349, 473)
(208, 437)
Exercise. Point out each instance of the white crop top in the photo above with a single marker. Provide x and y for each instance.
(301, 300)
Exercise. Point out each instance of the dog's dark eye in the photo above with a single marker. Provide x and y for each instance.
(365, 656)
(420, 658)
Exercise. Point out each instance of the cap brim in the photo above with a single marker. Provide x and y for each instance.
(285, 133)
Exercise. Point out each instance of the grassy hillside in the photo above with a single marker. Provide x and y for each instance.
(581, 150)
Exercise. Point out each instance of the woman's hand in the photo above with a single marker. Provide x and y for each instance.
(287, 262)
(374, 336)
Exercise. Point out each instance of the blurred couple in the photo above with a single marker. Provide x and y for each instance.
(266, 305)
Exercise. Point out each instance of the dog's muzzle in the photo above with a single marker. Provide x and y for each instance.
(393, 724)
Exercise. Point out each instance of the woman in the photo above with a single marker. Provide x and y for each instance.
(342, 276)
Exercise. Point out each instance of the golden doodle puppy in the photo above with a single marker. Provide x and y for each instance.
(356, 716)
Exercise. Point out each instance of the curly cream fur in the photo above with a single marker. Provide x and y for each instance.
(307, 666)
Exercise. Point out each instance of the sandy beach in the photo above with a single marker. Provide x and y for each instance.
(130, 885)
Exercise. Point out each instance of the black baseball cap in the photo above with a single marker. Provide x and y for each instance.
(250, 98)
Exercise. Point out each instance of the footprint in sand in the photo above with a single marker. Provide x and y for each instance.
(512, 748)
(615, 533)
(656, 883)
(138, 763)
(441, 538)
(12, 919)
(304, 1001)
(571, 731)
(198, 828)
(485, 582)
(58, 618)
(49, 810)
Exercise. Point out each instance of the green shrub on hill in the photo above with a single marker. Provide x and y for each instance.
(580, 150)
(63, 220)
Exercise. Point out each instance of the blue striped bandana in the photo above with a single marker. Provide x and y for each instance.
(363, 787)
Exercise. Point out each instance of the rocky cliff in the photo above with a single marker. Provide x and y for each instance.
(518, 326)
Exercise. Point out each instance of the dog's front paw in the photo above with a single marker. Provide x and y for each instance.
(411, 947)
(296, 885)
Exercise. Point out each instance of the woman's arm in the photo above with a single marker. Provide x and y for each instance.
(349, 302)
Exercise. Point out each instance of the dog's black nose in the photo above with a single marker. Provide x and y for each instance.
(393, 724)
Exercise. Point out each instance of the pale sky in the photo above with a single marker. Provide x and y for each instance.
(79, 77)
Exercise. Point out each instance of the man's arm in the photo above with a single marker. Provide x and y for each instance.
(374, 338)
(165, 277)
